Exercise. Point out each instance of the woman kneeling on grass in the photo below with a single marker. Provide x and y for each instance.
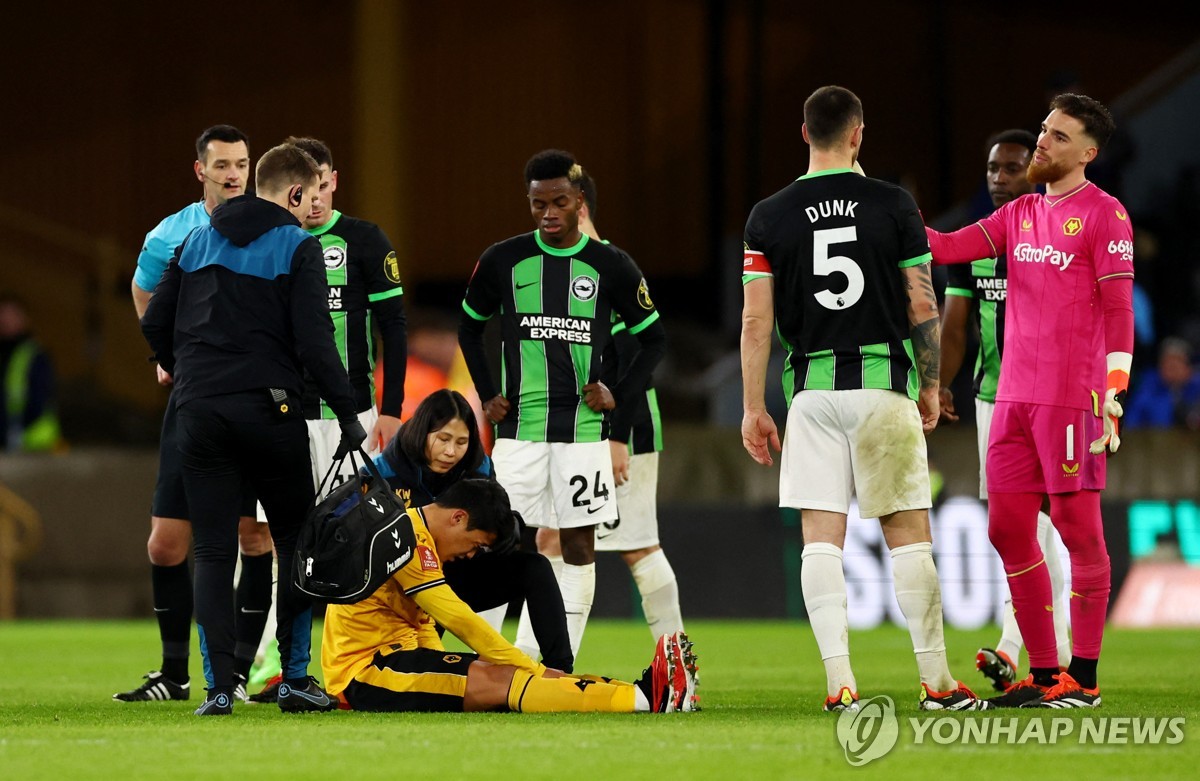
(439, 446)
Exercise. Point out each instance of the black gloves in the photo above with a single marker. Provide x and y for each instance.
(353, 435)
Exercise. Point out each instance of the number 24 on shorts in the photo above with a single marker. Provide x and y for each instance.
(600, 490)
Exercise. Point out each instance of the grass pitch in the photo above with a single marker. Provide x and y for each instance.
(761, 689)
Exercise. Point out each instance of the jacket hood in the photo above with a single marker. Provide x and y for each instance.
(424, 483)
(405, 471)
(246, 217)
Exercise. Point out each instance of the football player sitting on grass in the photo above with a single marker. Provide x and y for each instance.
(384, 653)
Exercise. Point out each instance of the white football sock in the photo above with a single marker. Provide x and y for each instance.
(660, 593)
(578, 584)
(269, 628)
(920, 597)
(824, 585)
(526, 643)
(1054, 567)
(1010, 634)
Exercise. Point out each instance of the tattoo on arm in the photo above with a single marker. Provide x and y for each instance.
(927, 351)
(926, 334)
(918, 283)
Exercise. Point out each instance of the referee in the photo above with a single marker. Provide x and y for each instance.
(238, 315)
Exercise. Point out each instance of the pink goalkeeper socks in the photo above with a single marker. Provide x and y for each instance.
(1012, 528)
(1077, 518)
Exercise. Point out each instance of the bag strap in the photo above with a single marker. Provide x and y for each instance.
(354, 456)
(369, 464)
(386, 495)
(335, 467)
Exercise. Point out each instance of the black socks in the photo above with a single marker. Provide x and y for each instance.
(254, 590)
(172, 589)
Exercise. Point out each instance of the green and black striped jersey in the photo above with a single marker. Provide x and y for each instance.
(986, 283)
(835, 243)
(364, 289)
(555, 307)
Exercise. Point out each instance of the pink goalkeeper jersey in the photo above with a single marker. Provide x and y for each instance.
(1059, 249)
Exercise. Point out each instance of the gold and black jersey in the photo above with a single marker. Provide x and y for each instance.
(403, 615)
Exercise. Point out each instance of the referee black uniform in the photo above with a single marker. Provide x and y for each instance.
(238, 316)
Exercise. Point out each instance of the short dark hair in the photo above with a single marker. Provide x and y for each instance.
(315, 147)
(436, 410)
(553, 164)
(1092, 114)
(488, 509)
(284, 166)
(227, 133)
(587, 185)
(1014, 136)
(829, 113)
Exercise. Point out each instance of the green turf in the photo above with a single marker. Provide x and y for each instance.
(762, 684)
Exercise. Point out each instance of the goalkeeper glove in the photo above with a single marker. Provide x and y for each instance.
(1114, 403)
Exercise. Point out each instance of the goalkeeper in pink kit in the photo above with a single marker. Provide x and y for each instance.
(1067, 351)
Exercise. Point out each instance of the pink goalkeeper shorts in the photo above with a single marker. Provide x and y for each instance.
(1036, 448)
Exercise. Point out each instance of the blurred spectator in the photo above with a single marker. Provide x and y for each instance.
(1146, 253)
(1170, 397)
(27, 410)
(435, 362)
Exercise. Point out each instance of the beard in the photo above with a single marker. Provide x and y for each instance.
(1044, 173)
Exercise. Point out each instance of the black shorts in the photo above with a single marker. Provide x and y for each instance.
(170, 500)
(418, 680)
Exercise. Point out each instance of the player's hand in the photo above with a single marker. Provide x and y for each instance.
(164, 379)
(382, 432)
(353, 435)
(1114, 407)
(620, 461)
(598, 397)
(929, 407)
(759, 434)
(946, 400)
(496, 409)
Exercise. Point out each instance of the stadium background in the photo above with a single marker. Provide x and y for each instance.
(686, 113)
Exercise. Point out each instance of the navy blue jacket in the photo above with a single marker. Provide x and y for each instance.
(243, 305)
(416, 484)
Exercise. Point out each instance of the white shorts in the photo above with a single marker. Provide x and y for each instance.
(557, 485)
(983, 421)
(323, 439)
(636, 526)
(865, 442)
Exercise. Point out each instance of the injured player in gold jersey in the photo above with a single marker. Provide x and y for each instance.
(384, 653)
